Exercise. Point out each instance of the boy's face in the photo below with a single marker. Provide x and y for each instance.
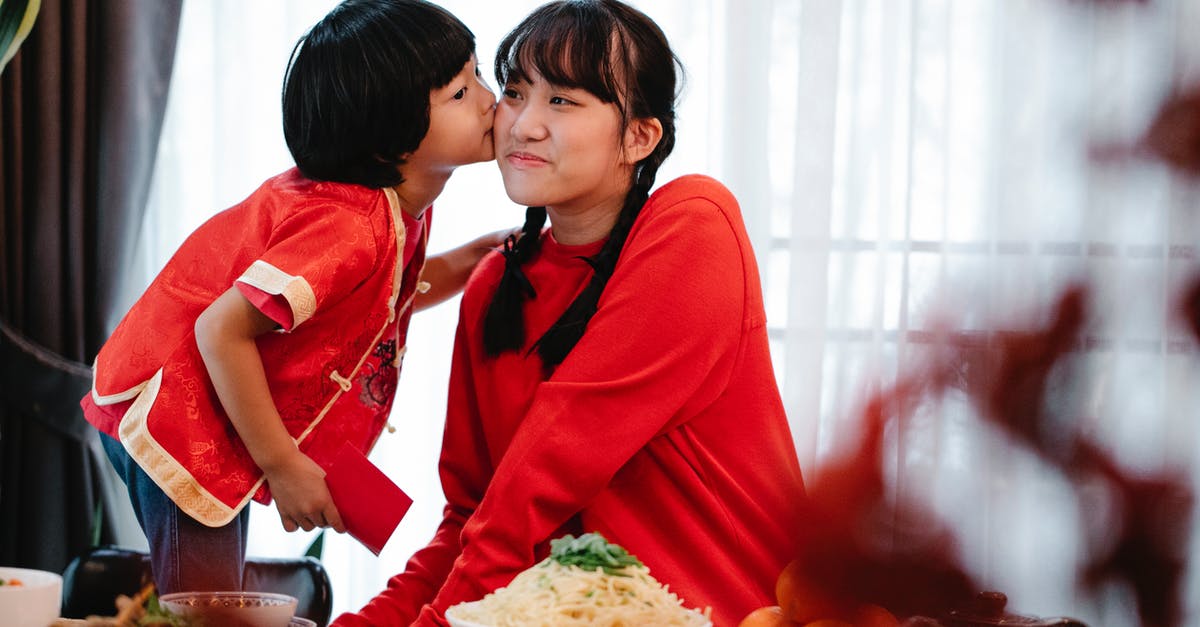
(460, 123)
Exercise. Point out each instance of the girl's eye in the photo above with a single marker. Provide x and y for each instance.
(509, 92)
(460, 94)
(559, 100)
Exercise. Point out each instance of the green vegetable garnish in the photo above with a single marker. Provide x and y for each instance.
(591, 551)
(157, 615)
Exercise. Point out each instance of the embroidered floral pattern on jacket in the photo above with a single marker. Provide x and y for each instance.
(379, 378)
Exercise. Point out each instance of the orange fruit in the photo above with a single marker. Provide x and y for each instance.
(771, 616)
(872, 615)
(829, 622)
(801, 600)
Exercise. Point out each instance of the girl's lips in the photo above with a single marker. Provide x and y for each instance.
(525, 159)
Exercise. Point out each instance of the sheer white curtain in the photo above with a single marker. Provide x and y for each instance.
(895, 159)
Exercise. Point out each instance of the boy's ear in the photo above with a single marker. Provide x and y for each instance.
(641, 138)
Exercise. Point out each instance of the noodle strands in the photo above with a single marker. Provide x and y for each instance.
(585, 581)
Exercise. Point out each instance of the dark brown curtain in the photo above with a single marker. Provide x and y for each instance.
(81, 108)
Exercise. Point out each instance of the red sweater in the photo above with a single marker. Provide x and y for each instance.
(663, 429)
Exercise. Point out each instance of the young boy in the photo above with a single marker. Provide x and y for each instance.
(275, 334)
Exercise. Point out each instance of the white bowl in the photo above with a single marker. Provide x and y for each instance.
(34, 603)
(233, 609)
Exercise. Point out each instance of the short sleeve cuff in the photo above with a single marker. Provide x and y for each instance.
(272, 306)
(286, 299)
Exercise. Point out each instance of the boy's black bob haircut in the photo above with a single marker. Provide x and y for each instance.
(356, 93)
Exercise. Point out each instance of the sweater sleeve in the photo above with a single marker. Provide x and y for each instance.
(464, 473)
(657, 351)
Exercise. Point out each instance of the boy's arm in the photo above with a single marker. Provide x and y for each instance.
(225, 335)
(447, 272)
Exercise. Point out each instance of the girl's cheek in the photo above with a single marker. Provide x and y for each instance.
(502, 122)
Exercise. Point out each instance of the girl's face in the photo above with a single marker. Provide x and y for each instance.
(560, 148)
(460, 123)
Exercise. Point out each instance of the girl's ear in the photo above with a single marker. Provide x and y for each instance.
(641, 138)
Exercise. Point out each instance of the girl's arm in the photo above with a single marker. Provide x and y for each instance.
(447, 272)
(225, 334)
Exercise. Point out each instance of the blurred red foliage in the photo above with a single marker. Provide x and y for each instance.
(860, 548)
(1174, 134)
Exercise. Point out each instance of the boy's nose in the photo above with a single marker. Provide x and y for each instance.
(489, 98)
(483, 81)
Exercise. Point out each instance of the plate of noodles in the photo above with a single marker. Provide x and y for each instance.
(585, 581)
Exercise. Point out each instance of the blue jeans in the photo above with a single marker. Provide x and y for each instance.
(185, 555)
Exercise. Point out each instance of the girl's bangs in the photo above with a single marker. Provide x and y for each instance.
(570, 45)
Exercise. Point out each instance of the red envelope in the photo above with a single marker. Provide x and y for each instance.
(371, 505)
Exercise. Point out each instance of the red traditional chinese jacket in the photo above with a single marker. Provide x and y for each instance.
(327, 261)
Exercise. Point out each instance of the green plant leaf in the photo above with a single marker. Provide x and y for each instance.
(317, 548)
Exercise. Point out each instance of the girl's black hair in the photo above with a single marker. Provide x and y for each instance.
(619, 55)
(356, 93)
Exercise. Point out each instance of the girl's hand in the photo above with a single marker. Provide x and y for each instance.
(298, 485)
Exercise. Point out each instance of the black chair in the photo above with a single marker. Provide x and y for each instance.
(93, 580)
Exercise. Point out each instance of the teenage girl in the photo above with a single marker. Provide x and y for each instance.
(611, 372)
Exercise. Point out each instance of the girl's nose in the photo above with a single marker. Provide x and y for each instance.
(527, 125)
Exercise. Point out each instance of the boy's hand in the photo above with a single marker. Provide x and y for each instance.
(447, 272)
(495, 239)
(301, 496)
(225, 335)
